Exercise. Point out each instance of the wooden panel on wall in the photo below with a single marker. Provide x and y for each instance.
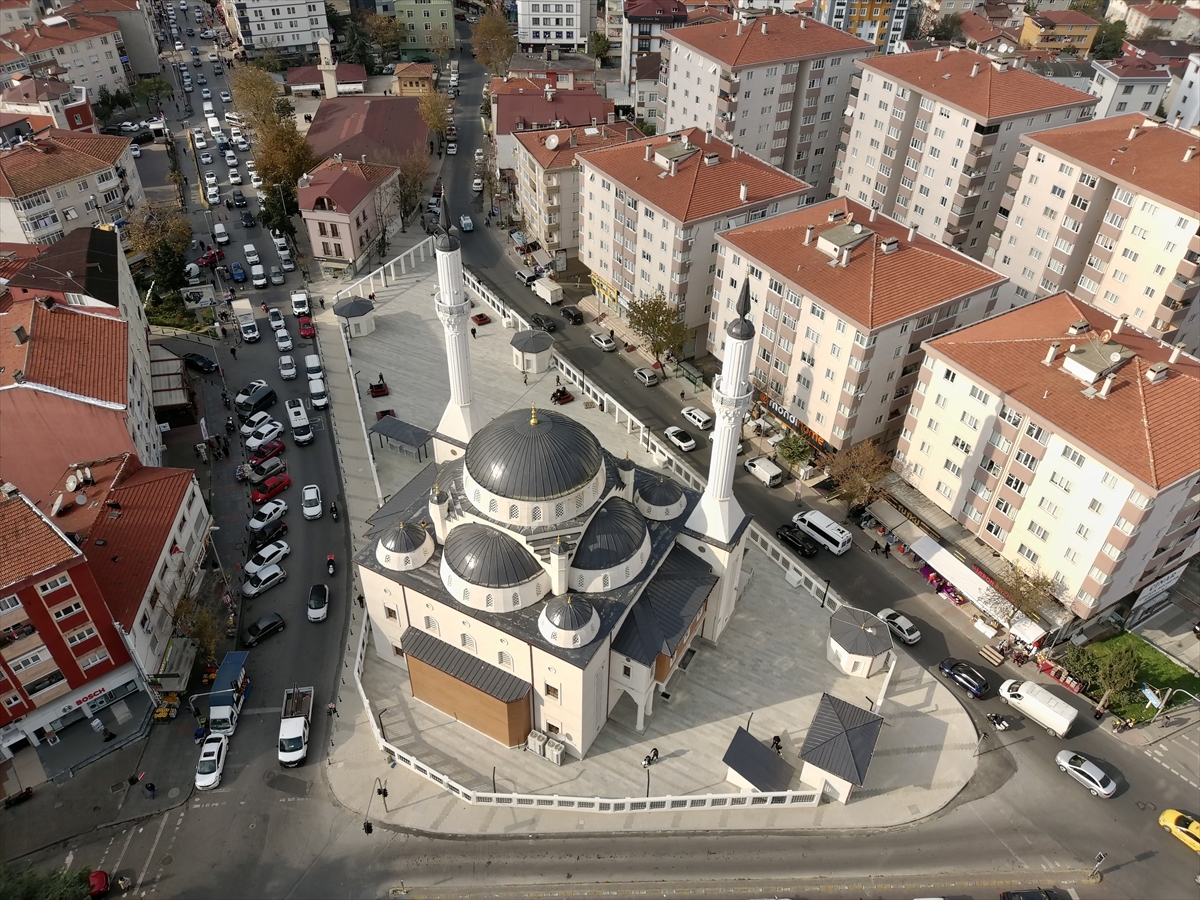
(507, 724)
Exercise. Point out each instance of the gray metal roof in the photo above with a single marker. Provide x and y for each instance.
(859, 632)
(666, 608)
(538, 455)
(841, 739)
(404, 538)
(569, 613)
(613, 536)
(660, 491)
(466, 667)
(401, 432)
(757, 763)
(532, 341)
(352, 307)
(488, 557)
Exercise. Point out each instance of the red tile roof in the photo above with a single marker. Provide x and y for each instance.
(1144, 428)
(55, 156)
(101, 6)
(990, 94)
(533, 110)
(655, 10)
(14, 258)
(1151, 160)
(703, 15)
(1066, 17)
(42, 36)
(514, 86)
(696, 190)
(414, 70)
(1135, 67)
(1162, 12)
(27, 90)
(31, 544)
(384, 128)
(79, 518)
(135, 535)
(787, 37)
(347, 183)
(345, 73)
(563, 155)
(874, 288)
(977, 28)
(68, 350)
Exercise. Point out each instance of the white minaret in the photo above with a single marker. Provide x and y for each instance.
(461, 419)
(718, 515)
(328, 69)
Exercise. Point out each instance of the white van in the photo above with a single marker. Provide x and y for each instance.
(317, 394)
(258, 276)
(302, 432)
(300, 303)
(214, 126)
(765, 471)
(207, 109)
(312, 367)
(234, 119)
(220, 234)
(826, 532)
(251, 254)
(1056, 716)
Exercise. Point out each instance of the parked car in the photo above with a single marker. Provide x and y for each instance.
(965, 676)
(796, 539)
(680, 438)
(283, 340)
(264, 536)
(266, 451)
(697, 417)
(213, 194)
(1086, 772)
(135, 151)
(572, 315)
(465, 223)
(603, 341)
(263, 580)
(537, 320)
(198, 363)
(306, 327)
(271, 487)
(212, 762)
(287, 368)
(276, 275)
(273, 553)
(263, 628)
(271, 511)
(265, 432)
(900, 625)
(256, 419)
(646, 376)
(310, 502)
(477, 185)
(236, 272)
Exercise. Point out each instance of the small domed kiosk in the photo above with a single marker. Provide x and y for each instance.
(356, 315)
(859, 642)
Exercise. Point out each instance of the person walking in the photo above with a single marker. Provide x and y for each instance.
(321, 300)
(472, 332)
(681, 396)
(887, 551)
(233, 352)
(152, 789)
(875, 549)
(525, 378)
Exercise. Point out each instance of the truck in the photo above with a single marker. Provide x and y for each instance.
(294, 720)
(229, 690)
(245, 318)
(548, 290)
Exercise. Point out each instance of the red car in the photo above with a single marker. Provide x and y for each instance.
(276, 484)
(481, 318)
(210, 257)
(266, 451)
(306, 327)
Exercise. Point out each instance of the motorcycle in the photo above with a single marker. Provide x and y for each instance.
(998, 722)
(225, 398)
(229, 424)
(333, 510)
(329, 563)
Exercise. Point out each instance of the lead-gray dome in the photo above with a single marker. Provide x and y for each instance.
(661, 491)
(538, 455)
(403, 538)
(487, 557)
(571, 613)
(613, 536)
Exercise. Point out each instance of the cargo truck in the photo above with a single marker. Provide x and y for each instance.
(294, 720)
(245, 317)
(549, 291)
(229, 690)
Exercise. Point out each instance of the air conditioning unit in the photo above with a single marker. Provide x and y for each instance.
(554, 751)
(536, 743)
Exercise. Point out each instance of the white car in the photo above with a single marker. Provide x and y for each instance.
(259, 418)
(212, 762)
(283, 340)
(213, 194)
(697, 417)
(210, 178)
(205, 158)
(135, 151)
(452, 148)
(478, 154)
(604, 342)
(205, 94)
(901, 626)
(287, 368)
(318, 603)
(1086, 772)
(226, 97)
(271, 511)
(235, 177)
(251, 164)
(243, 145)
(255, 180)
(201, 144)
(465, 223)
(263, 580)
(680, 438)
(310, 502)
(212, 57)
(263, 434)
(477, 185)
(179, 45)
(270, 555)
(235, 133)
(274, 316)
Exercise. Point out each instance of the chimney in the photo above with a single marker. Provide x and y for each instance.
(745, 191)
(571, 138)
(363, 159)
(974, 70)
(631, 134)
(1175, 351)
(845, 257)
(1132, 133)
(874, 213)
(649, 151)
(1188, 154)
(802, 24)
(764, 27)
(1120, 326)
(1050, 354)
(912, 233)
(674, 167)
(337, 157)
(739, 30)
(708, 134)
(939, 55)
(1108, 383)
(808, 232)
(612, 117)
(734, 153)
(20, 334)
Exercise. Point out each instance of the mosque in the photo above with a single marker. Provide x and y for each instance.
(528, 577)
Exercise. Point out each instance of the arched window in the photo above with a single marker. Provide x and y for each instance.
(579, 581)
(574, 640)
(537, 514)
(466, 595)
(493, 506)
(407, 561)
(604, 581)
(489, 602)
(505, 660)
(468, 642)
(559, 509)
(514, 511)
(478, 497)
(432, 625)
(627, 571)
(579, 501)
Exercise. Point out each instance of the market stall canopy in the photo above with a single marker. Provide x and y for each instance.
(896, 522)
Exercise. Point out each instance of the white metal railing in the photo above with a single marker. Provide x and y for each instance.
(406, 260)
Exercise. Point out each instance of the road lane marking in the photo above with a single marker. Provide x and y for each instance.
(153, 847)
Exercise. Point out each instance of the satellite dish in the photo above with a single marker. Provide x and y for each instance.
(1106, 336)
(72, 483)
(81, 498)
(552, 142)
(1114, 356)
(56, 505)
(87, 476)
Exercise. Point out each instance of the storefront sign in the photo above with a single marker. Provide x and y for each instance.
(780, 412)
(605, 291)
(92, 696)
(915, 519)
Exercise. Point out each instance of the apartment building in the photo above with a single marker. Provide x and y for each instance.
(929, 137)
(15, 14)
(644, 28)
(842, 299)
(1108, 210)
(1128, 84)
(139, 31)
(881, 24)
(261, 25)
(430, 23)
(1185, 104)
(345, 206)
(516, 109)
(48, 103)
(59, 180)
(564, 25)
(1059, 30)
(1175, 22)
(775, 88)
(547, 180)
(80, 49)
(556, 68)
(651, 210)
(1063, 441)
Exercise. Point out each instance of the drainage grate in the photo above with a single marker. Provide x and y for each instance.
(117, 788)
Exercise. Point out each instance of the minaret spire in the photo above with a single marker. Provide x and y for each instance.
(461, 418)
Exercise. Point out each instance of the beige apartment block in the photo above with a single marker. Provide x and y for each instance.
(548, 180)
(776, 87)
(1067, 443)
(842, 299)
(1108, 210)
(930, 137)
(651, 211)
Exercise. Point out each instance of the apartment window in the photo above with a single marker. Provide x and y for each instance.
(1061, 482)
(1028, 553)
(1016, 484)
(952, 467)
(969, 420)
(53, 584)
(1000, 442)
(551, 692)
(1073, 455)
(1046, 505)
(997, 531)
(961, 445)
(1037, 433)
(1083, 531)
(1038, 531)
(1096, 507)
(1004, 507)
(69, 610)
(9, 603)
(1027, 459)
(1011, 416)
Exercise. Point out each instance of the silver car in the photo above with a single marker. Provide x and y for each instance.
(1086, 772)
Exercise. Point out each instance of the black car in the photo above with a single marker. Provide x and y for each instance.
(223, 147)
(537, 320)
(273, 532)
(239, 200)
(198, 363)
(191, 32)
(1038, 894)
(796, 539)
(572, 315)
(263, 628)
(248, 219)
(965, 676)
(113, 129)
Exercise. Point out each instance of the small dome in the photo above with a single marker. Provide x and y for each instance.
(404, 547)
(532, 341)
(538, 455)
(569, 621)
(613, 536)
(488, 557)
(661, 492)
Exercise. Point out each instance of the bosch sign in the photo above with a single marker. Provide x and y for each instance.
(92, 696)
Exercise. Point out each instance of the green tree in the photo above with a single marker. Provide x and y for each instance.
(337, 22)
(1109, 37)
(387, 31)
(1117, 671)
(151, 91)
(256, 94)
(168, 263)
(657, 320)
(357, 48)
(440, 42)
(598, 45)
(1081, 663)
(121, 99)
(103, 105)
(1152, 33)
(159, 225)
(493, 41)
(31, 884)
(277, 211)
(283, 155)
(1027, 591)
(858, 470)
(948, 28)
(794, 449)
(431, 107)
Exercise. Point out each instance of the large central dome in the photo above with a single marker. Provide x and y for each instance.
(535, 455)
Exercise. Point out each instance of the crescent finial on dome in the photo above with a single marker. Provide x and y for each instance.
(533, 414)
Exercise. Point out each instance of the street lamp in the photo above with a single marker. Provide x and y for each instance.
(380, 789)
(826, 594)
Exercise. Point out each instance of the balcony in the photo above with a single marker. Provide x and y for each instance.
(726, 104)
(978, 156)
(727, 84)
(552, 201)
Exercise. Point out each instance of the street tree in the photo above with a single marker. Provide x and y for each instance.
(283, 155)
(440, 43)
(121, 99)
(151, 91)
(337, 21)
(103, 106)
(598, 44)
(1117, 671)
(387, 31)
(431, 106)
(357, 48)
(409, 187)
(279, 205)
(30, 883)
(948, 28)
(1027, 590)
(1110, 37)
(167, 262)
(858, 470)
(159, 225)
(256, 94)
(794, 449)
(493, 41)
(657, 320)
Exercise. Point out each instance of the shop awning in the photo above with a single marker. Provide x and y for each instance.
(896, 522)
(542, 258)
(1026, 629)
(952, 569)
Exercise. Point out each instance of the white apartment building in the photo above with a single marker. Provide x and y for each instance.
(1129, 84)
(135, 18)
(930, 134)
(842, 299)
(62, 180)
(16, 14)
(1054, 435)
(564, 25)
(79, 49)
(1108, 210)
(776, 88)
(881, 23)
(1185, 105)
(651, 210)
(261, 25)
(547, 181)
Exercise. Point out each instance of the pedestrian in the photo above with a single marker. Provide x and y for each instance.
(681, 396)
(612, 334)
(185, 181)
(525, 378)
(875, 549)
(233, 352)
(321, 300)
(472, 332)
(152, 789)
(371, 296)
(887, 551)
(653, 754)
(777, 745)
(557, 380)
